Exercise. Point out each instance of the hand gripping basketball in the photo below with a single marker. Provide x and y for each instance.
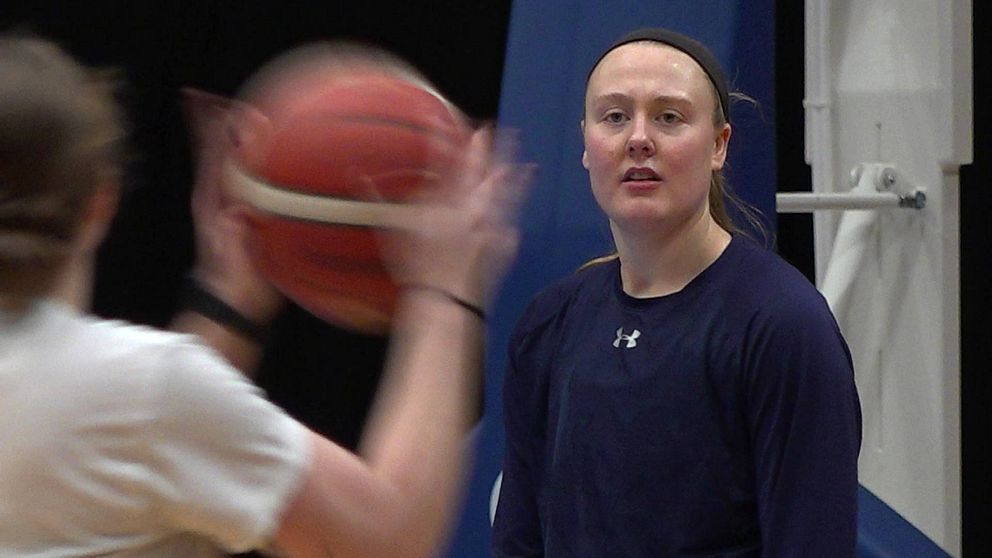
(334, 155)
(463, 236)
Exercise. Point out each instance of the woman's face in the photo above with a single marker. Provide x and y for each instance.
(650, 142)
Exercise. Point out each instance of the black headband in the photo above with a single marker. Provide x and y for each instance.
(688, 45)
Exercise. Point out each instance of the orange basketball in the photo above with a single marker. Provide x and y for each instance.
(339, 154)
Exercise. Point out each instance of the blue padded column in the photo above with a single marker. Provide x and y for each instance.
(550, 48)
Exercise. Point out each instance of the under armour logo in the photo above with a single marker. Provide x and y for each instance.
(630, 339)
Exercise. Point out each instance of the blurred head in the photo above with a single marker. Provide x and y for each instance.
(656, 131)
(308, 67)
(60, 141)
(295, 79)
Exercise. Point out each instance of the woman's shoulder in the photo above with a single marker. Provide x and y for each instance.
(111, 364)
(763, 280)
(115, 345)
(550, 304)
(119, 335)
(761, 268)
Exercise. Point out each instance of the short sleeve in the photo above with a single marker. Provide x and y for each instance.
(226, 462)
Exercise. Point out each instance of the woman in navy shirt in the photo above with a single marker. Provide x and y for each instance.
(693, 395)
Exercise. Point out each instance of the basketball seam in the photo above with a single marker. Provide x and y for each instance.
(388, 121)
(277, 200)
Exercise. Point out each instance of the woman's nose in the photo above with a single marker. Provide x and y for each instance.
(639, 143)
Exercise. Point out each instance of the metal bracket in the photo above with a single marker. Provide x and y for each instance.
(892, 190)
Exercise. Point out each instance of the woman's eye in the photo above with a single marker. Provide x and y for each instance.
(669, 118)
(614, 117)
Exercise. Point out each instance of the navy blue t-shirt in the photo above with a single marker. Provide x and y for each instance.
(722, 420)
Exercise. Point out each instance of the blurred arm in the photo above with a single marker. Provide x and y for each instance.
(223, 266)
(399, 499)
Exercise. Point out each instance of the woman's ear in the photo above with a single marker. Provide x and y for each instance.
(99, 214)
(721, 142)
(585, 156)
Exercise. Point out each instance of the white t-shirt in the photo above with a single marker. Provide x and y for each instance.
(122, 440)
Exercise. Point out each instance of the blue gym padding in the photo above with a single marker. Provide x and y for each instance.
(883, 533)
(550, 48)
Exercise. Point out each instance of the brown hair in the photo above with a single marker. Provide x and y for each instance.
(721, 193)
(60, 136)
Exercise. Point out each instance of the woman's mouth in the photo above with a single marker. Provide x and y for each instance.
(641, 174)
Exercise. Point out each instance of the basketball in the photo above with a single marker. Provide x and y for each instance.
(336, 159)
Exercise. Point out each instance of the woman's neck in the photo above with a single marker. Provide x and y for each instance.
(75, 283)
(658, 265)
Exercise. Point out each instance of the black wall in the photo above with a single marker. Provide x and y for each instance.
(976, 299)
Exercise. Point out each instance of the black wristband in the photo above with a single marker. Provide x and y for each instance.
(196, 298)
(476, 310)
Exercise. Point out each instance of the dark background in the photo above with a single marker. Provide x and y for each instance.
(323, 375)
(326, 376)
(976, 300)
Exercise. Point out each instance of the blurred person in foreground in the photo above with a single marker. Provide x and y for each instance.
(122, 440)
